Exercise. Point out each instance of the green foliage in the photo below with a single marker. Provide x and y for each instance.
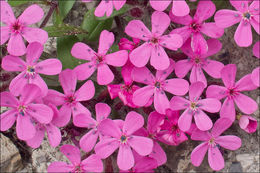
(64, 45)
(64, 30)
(19, 2)
(64, 7)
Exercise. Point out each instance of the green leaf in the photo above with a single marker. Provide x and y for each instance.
(89, 22)
(123, 10)
(103, 25)
(64, 45)
(64, 30)
(65, 6)
(18, 2)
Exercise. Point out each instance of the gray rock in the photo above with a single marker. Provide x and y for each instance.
(235, 167)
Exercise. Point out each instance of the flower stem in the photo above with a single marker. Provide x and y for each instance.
(54, 5)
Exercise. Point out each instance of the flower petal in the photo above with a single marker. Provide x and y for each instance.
(213, 68)
(160, 22)
(16, 45)
(31, 15)
(202, 121)
(119, 4)
(161, 102)
(106, 40)
(7, 15)
(7, 119)
(17, 84)
(160, 5)
(163, 74)
(154, 121)
(176, 86)
(92, 164)
(143, 95)
(13, 63)
(88, 141)
(243, 34)
(33, 52)
(256, 49)
(212, 30)
(245, 104)
(228, 75)
(179, 103)
(142, 75)
(4, 34)
(228, 109)
(185, 119)
(145, 164)
(24, 127)
(84, 71)
(65, 114)
(125, 158)
(36, 141)
(199, 44)
(215, 159)
(104, 74)
(221, 125)
(141, 55)
(184, 32)
(159, 58)
(180, 8)
(84, 120)
(49, 67)
(133, 122)
(102, 111)
(246, 83)
(104, 7)
(196, 90)
(37, 80)
(30, 93)
(106, 147)
(82, 51)
(142, 145)
(54, 135)
(59, 167)
(171, 41)
(198, 154)
(68, 81)
(54, 97)
(255, 76)
(184, 20)
(215, 91)
(8, 100)
(108, 127)
(205, 10)
(40, 112)
(137, 29)
(211, 105)
(158, 154)
(226, 18)
(85, 92)
(199, 135)
(79, 108)
(35, 35)
(239, 5)
(72, 153)
(117, 59)
(182, 67)
(229, 142)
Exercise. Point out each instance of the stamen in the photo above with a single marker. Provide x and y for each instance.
(157, 85)
(123, 139)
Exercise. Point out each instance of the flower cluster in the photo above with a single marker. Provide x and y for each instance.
(174, 95)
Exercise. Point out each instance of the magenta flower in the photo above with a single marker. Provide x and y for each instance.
(194, 27)
(125, 44)
(100, 60)
(194, 108)
(256, 49)
(154, 41)
(91, 164)
(156, 86)
(155, 120)
(24, 111)
(179, 7)
(122, 137)
(246, 15)
(71, 99)
(89, 140)
(17, 29)
(212, 142)
(170, 132)
(30, 69)
(106, 7)
(255, 76)
(232, 93)
(197, 61)
(247, 123)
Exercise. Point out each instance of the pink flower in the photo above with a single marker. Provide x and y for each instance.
(91, 164)
(125, 44)
(194, 108)
(197, 61)
(156, 86)
(246, 15)
(232, 93)
(256, 49)
(17, 29)
(100, 60)
(247, 123)
(88, 141)
(122, 137)
(255, 76)
(194, 27)
(170, 132)
(179, 7)
(71, 99)
(30, 69)
(155, 120)
(24, 111)
(154, 41)
(212, 142)
(106, 7)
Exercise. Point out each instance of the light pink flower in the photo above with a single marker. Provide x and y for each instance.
(122, 137)
(170, 132)
(212, 142)
(30, 69)
(246, 15)
(23, 111)
(17, 29)
(154, 41)
(197, 61)
(194, 108)
(106, 7)
(256, 49)
(100, 60)
(71, 99)
(155, 120)
(194, 27)
(91, 164)
(247, 123)
(232, 92)
(255, 76)
(179, 7)
(156, 86)
(89, 140)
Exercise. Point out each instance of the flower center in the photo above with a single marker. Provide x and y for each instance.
(157, 85)
(16, 27)
(70, 99)
(78, 169)
(99, 59)
(123, 139)
(193, 105)
(127, 88)
(195, 26)
(232, 92)
(247, 15)
(30, 69)
(197, 60)
(154, 40)
(21, 109)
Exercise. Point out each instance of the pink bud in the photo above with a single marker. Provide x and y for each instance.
(247, 123)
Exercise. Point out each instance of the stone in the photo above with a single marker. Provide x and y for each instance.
(10, 160)
(235, 167)
(249, 162)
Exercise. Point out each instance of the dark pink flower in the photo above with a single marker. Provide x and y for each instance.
(246, 15)
(255, 76)
(125, 44)
(212, 142)
(88, 141)
(198, 62)
(247, 123)
(121, 136)
(179, 7)
(232, 93)
(170, 132)
(30, 69)
(194, 108)
(23, 111)
(155, 41)
(256, 49)
(17, 29)
(71, 99)
(91, 164)
(194, 27)
(100, 60)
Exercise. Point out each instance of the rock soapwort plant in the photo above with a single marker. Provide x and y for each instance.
(168, 101)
